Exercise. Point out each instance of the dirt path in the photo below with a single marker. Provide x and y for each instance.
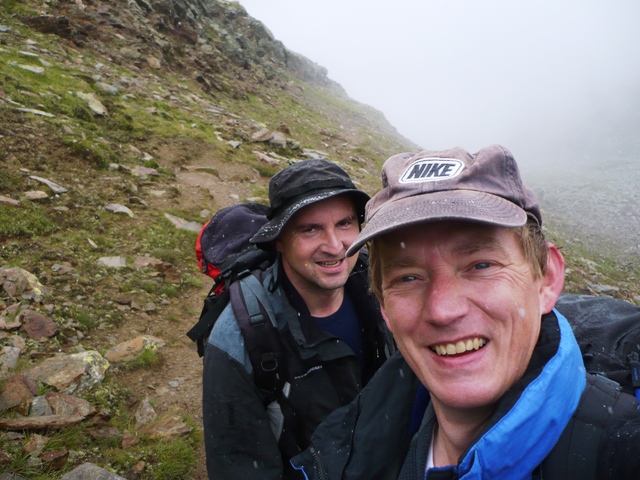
(175, 384)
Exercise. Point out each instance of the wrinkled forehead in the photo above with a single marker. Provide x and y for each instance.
(452, 237)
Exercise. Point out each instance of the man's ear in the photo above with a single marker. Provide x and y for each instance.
(384, 315)
(552, 279)
(278, 243)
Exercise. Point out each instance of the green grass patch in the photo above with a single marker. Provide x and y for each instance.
(110, 396)
(17, 7)
(9, 181)
(172, 459)
(28, 221)
(149, 357)
(265, 171)
(84, 318)
(192, 281)
(99, 154)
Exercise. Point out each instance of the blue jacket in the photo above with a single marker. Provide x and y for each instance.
(375, 437)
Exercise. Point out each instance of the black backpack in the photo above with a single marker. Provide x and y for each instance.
(608, 332)
(224, 253)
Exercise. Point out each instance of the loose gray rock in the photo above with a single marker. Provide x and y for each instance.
(602, 289)
(35, 195)
(314, 153)
(28, 54)
(31, 68)
(8, 360)
(113, 262)
(94, 103)
(89, 471)
(130, 349)
(17, 281)
(9, 201)
(35, 112)
(117, 208)
(40, 407)
(75, 373)
(8, 326)
(106, 88)
(145, 412)
(144, 171)
(63, 404)
(265, 158)
(183, 224)
(262, 135)
(278, 140)
(52, 185)
(40, 423)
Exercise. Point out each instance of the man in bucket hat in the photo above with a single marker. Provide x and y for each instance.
(489, 382)
(328, 324)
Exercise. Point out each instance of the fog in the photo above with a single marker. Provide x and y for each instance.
(554, 81)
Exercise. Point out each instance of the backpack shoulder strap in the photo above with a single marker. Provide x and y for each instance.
(211, 310)
(576, 452)
(257, 322)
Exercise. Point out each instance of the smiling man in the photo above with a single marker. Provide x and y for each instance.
(331, 336)
(490, 383)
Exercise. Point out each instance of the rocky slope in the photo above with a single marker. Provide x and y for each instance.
(123, 126)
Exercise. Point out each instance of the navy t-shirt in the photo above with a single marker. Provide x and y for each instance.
(344, 325)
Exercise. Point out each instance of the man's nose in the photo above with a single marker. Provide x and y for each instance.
(332, 241)
(444, 300)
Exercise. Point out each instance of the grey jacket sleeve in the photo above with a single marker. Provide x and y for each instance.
(239, 441)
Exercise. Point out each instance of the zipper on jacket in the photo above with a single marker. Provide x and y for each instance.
(317, 464)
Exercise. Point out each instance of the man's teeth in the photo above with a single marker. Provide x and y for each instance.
(460, 347)
(330, 264)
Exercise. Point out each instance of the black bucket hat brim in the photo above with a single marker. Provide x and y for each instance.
(270, 230)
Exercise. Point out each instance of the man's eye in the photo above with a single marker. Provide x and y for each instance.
(481, 265)
(408, 278)
(346, 224)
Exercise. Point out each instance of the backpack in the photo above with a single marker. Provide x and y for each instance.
(608, 333)
(224, 253)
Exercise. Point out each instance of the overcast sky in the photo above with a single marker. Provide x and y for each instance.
(544, 78)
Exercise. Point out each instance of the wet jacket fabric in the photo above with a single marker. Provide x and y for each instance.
(241, 434)
(557, 422)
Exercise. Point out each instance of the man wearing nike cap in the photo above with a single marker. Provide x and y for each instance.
(490, 383)
(330, 332)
